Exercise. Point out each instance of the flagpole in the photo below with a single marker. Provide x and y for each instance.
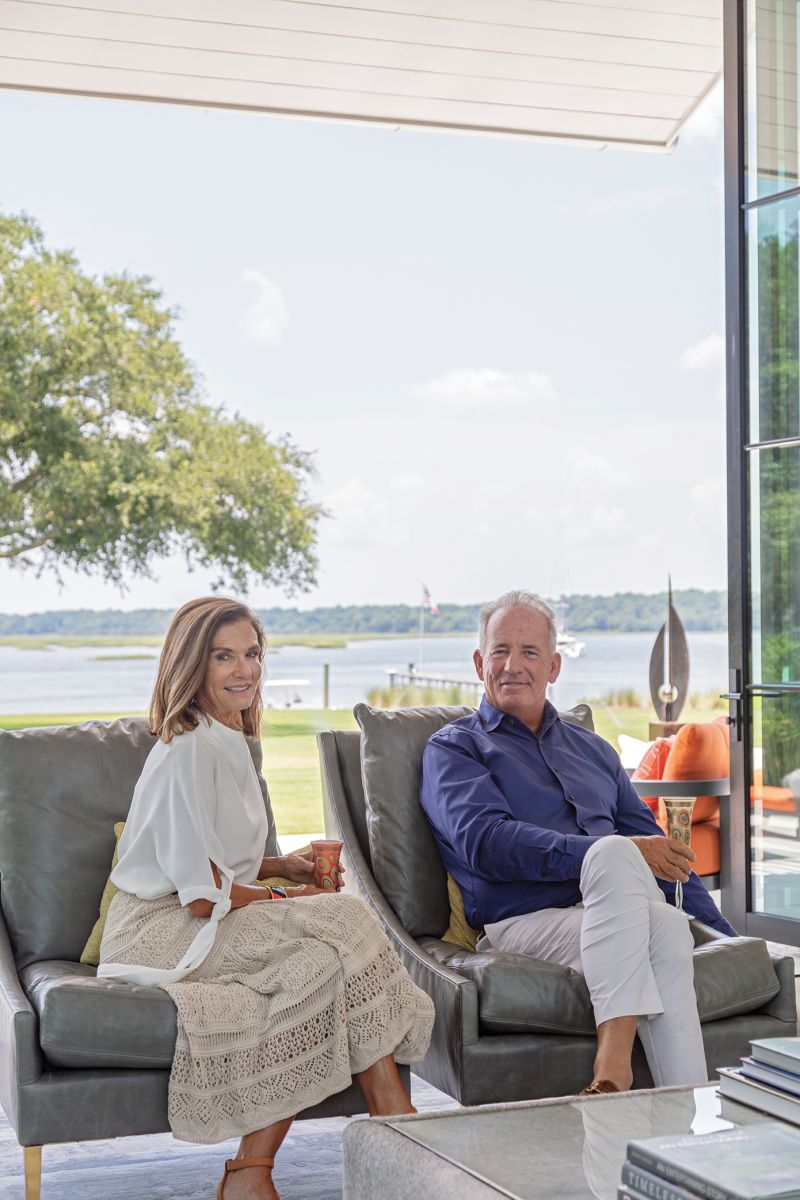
(422, 633)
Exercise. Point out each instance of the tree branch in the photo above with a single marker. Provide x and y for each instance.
(33, 545)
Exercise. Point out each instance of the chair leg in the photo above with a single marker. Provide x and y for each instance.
(33, 1172)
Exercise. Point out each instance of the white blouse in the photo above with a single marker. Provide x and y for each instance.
(197, 799)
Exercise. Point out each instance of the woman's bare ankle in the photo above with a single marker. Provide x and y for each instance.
(250, 1183)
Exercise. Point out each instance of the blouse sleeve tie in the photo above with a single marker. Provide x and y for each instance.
(197, 951)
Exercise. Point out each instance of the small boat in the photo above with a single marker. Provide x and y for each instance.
(569, 646)
(286, 694)
(566, 644)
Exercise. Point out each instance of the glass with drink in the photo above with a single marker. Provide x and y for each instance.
(326, 864)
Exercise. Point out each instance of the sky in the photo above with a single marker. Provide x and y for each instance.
(506, 356)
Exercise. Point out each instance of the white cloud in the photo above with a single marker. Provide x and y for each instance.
(710, 352)
(586, 467)
(484, 388)
(266, 319)
(705, 123)
(710, 493)
(407, 483)
(361, 516)
(631, 199)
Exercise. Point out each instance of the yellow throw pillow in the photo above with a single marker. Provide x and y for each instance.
(458, 931)
(91, 951)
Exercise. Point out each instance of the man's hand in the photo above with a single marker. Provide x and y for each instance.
(666, 858)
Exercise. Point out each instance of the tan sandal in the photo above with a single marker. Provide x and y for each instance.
(236, 1164)
(599, 1087)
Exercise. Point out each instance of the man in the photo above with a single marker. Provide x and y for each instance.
(557, 857)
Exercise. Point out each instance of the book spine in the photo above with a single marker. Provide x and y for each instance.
(645, 1183)
(674, 1174)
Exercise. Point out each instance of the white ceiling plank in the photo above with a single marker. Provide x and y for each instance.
(622, 73)
(352, 106)
(337, 78)
(352, 22)
(681, 22)
(21, 16)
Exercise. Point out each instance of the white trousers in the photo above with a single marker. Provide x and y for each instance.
(633, 948)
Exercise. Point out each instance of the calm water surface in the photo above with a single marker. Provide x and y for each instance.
(67, 679)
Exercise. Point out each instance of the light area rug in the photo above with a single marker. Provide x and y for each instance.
(159, 1168)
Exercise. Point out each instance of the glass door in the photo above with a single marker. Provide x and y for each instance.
(761, 891)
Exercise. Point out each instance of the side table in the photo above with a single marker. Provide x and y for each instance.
(682, 789)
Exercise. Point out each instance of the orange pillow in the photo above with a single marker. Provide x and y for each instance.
(652, 766)
(701, 751)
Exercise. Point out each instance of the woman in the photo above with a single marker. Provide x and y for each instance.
(281, 1001)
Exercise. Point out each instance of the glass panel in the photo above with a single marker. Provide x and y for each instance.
(775, 565)
(771, 97)
(775, 788)
(774, 320)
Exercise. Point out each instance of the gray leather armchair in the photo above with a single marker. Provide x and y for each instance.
(80, 1057)
(508, 1027)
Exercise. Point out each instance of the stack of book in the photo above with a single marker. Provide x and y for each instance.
(754, 1162)
(768, 1080)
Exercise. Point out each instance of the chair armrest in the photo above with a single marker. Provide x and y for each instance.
(703, 933)
(20, 1053)
(455, 997)
(784, 1005)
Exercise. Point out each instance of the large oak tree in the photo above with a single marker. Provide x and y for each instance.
(109, 457)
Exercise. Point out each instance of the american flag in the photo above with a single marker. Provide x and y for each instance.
(427, 602)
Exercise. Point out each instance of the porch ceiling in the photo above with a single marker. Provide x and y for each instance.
(626, 73)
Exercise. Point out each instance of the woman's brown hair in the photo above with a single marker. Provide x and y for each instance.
(184, 660)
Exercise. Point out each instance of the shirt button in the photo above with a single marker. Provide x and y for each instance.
(572, 798)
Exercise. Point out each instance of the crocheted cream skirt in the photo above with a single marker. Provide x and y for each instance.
(294, 998)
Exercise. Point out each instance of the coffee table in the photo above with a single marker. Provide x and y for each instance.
(562, 1149)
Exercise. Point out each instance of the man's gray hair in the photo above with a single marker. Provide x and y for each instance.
(517, 599)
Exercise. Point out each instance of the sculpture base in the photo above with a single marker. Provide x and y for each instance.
(657, 729)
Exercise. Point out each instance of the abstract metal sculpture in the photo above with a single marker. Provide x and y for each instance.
(669, 665)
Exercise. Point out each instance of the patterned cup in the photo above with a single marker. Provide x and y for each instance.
(679, 828)
(326, 864)
(679, 819)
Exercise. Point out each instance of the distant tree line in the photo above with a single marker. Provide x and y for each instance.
(625, 612)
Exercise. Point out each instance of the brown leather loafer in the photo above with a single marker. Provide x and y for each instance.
(599, 1087)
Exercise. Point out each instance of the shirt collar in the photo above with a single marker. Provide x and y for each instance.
(491, 717)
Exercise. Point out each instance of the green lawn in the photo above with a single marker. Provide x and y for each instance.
(291, 764)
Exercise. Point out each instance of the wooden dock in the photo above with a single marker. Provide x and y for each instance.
(416, 678)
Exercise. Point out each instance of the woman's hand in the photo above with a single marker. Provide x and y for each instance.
(299, 867)
(292, 893)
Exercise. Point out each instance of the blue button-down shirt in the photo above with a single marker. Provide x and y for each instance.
(514, 813)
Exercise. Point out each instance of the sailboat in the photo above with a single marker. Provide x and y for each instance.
(566, 645)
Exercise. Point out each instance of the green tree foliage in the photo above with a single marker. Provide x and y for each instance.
(775, 475)
(109, 457)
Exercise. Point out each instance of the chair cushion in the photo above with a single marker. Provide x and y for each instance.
(701, 750)
(520, 994)
(652, 766)
(62, 788)
(90, 1022)
(405, 858)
